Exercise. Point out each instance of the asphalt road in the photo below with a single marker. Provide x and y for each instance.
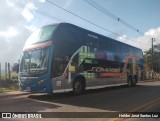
(145, 97)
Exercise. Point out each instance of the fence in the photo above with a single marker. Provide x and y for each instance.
(8, 79)
(8, 85)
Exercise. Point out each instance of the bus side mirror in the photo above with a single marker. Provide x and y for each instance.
(15, 67)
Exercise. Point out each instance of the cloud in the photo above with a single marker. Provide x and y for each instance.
(153, 32)
(142, 42)
(30, 27)
(42, 1)
(146, 39)
(13, 34)
(11, 48)
(28, 11)
(10, 32)
(15, 28)
(124, 39)
(68, 3)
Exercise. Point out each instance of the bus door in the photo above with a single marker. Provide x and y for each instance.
(59, 79)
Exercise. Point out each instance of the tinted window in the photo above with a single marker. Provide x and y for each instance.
(131, 51)
(66, 43)
(41, 35)
(89, 43)
(35, 60)
(106, 44)
(59, 65)
(115, 47)
(92, 41)
(124, 49)
(139, 54)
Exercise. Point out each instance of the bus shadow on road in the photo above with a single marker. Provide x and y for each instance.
(56, 96)
(111, 98)
(119, 98)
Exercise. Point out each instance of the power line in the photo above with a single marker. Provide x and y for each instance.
(82, 18)
(51, 16)
(41, 12)
(92, 22)
(22, 4)
(108, 13)
(45, 13)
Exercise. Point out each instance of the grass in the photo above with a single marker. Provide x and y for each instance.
(7, 85)
(13, 76)
(8, 89)
(2, 90)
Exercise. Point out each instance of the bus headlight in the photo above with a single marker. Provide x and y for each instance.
(40, 81)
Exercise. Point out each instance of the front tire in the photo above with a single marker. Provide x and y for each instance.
(129, 82)
(134, 81)
(78, 87)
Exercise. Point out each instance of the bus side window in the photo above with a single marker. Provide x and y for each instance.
(58, 66)
(89, 43)
(106, 44)
(96, 43)
(139, 54)
(131, 51)
(93, 42)
(124, 50)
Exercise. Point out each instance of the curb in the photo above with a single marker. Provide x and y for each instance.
(154, 80)
(12, 94)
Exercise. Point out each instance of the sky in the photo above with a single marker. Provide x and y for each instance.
(19, 18)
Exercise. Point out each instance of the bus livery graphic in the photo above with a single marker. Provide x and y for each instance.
(64, 57)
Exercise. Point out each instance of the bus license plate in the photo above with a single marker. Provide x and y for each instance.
(28, 88)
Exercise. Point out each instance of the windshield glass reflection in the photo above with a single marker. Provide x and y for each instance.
(35, 62)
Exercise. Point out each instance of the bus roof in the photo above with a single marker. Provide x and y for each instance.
(94, 33)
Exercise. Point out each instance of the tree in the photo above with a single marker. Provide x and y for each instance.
(156, 58)
(15, 67)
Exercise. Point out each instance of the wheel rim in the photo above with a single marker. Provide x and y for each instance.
(77, 87)
(134, 82)
(129, 83)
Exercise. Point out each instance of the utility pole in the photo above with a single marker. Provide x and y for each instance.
(0, 71)
(9, 71)
(6, 70)
(153, 39)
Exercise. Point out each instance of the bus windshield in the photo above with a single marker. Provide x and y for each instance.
(35, 62)
(41, 35)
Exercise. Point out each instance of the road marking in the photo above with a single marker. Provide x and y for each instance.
(137, 109)
(142, 107)
(47, 102)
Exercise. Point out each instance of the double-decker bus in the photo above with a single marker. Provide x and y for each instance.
(63, 57)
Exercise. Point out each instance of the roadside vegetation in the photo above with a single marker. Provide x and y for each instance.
(9, 84)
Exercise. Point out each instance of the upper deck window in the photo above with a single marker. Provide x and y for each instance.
(41, 35)
(93, 41)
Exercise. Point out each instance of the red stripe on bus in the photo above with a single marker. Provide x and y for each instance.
(39, 45)
(126, 59)
(110, 74)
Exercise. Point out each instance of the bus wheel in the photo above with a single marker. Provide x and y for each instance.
(78, 87)
(130, 82)
(134, 81)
